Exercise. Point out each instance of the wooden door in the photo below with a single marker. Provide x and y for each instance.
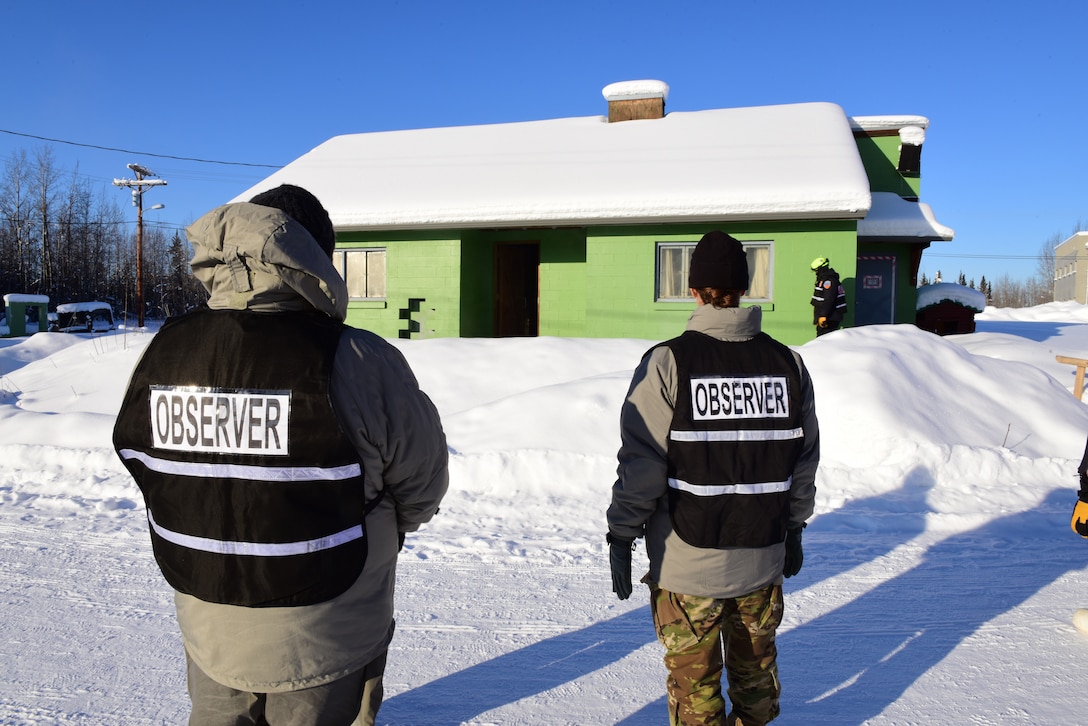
(517, 289)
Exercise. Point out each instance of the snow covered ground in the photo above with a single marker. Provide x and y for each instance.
(939, 584)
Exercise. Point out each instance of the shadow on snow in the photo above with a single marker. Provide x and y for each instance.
(534, 669)
(840, 668)
(847, 666)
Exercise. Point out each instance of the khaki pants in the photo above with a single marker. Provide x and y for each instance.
(695, 631)
(350, 701)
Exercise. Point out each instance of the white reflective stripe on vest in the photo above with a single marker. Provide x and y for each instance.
(238, 471)
(745, 435)
(713, 490)
(268, 549)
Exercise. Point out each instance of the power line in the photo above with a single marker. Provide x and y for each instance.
(140, 153)
(985, 257)
(101, 223)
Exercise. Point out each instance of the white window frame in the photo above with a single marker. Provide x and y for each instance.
(372, 275)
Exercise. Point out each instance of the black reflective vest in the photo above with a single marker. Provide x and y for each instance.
(734, 440)
(828, 296)
(254, 495)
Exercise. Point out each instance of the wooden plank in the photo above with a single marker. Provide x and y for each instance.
(1081, 364)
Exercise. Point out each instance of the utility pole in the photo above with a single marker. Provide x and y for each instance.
(139, 185)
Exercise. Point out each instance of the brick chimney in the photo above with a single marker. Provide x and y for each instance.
(636, 100)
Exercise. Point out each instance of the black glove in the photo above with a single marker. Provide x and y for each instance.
(795, 557)
(619, 560)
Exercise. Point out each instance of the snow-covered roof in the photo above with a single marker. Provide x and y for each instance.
(935, 294)
(24, 297)
(892, 217)
(888, 122)
(795, 161)
(85, 307)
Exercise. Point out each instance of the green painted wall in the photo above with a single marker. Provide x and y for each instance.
(621, 269)
(477, 282)
(561, 279)
(597, 282)
(563, 288)
(880, 156)
(16, 313)
(426, 266)
(791, 319)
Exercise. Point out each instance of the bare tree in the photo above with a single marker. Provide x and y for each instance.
(1044, 264)
(43, 183)
(17, 263)
(1009, 293)
(106, 228)
(71, 243)
(75, 244)
(155, 270)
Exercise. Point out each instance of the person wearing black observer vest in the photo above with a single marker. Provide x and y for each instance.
(717, 465)
(282, 457)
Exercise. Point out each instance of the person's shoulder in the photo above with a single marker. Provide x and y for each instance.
(665, 350)
(362, 334)
(658, 357)
(772, 342)
(359, 342)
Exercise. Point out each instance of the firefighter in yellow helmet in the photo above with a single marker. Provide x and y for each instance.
(828, 297)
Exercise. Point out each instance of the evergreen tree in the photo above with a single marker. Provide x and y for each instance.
(181, 291)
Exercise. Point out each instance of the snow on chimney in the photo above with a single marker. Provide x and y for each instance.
(635, 100)
(910, 149)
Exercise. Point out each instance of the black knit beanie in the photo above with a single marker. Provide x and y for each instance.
(303, 207)
(719, 262)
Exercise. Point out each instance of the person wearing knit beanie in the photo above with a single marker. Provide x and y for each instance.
(719, 446)
(719, 261)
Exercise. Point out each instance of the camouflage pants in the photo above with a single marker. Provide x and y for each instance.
(695, 631)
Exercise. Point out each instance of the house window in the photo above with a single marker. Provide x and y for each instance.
(364, 272)
(673, 259)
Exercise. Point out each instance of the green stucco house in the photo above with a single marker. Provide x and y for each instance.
(582, 227)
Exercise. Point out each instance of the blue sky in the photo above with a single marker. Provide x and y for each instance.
(252, 86)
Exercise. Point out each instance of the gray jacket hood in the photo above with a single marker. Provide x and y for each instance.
(251, 257)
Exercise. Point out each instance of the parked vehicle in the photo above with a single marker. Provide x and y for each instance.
(84, 317)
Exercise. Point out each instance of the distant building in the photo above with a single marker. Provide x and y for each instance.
(24, 314)
(1071, 269)
(583, 227)
(945, 308)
